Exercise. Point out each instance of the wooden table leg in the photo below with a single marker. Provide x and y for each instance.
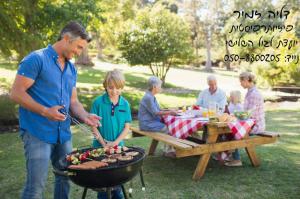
(202, 164)
(152, 147)
(252, 156)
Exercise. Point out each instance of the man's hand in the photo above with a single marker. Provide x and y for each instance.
(92, 120)
(53, 113)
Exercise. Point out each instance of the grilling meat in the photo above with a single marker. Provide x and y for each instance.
(89, 165)
(109, 160)
(132, 153)
(125, 158)
(124, 148)
(115, 156)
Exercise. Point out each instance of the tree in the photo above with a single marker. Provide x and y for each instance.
(158, 39)
(116, 14)
(287, 70)
(27, 25)
(208, 13)
(202, 16)
(192, 17)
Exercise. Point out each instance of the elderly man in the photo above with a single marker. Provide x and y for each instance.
(44, 84)
(212, 95)
(149, 114)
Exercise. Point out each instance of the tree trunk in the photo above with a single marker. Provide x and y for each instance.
(197, 64)
(208, 53)
(99, 45)
(227, 63)
(84, 58)
(168, 66)
(160, 71)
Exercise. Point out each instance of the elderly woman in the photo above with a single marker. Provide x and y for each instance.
(149, 114)
(253, 102)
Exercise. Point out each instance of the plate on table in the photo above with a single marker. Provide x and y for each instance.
(205, 119)
(185, 116)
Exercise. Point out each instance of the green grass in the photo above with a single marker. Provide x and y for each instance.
(276, 178)
(90, 80)
(89, 86)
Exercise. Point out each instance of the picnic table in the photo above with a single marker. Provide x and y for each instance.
(181, 127)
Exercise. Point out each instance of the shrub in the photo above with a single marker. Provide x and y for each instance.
(9, 111)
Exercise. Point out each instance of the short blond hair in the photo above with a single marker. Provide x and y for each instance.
(247, 76)
(114, 77)
(236, 96)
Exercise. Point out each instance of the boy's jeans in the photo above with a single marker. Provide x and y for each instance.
(116, 193)
(37, 155)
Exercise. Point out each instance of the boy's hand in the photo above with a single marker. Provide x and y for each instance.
(112, 144)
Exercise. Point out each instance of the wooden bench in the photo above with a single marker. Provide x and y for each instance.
(178, 144)
(185, 148)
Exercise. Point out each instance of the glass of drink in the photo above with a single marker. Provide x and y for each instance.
(204, 113)
(212, 109)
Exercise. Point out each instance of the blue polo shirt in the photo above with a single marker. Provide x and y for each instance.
(113, 119)
(51, 87)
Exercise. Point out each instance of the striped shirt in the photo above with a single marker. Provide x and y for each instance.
(255, 102)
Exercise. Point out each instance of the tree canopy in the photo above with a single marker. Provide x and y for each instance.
(160, 33)
(31, 24)
(158, 39)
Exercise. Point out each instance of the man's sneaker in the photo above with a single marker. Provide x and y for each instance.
(234, 163)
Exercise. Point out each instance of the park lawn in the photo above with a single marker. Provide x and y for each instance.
(89, 86)
(277, 177)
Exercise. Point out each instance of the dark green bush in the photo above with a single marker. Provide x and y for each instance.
(9, 110)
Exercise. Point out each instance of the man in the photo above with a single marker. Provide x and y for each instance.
(44, 84)
(212, 95)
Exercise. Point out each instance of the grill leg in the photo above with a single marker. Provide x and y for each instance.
(124, 191)
(84, 193)
(108, 192)
(142, 178)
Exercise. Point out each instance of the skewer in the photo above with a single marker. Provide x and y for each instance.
(81, 126)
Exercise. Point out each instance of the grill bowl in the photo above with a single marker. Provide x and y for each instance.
(112, 175)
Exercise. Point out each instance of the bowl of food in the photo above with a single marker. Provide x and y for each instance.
(242, 115)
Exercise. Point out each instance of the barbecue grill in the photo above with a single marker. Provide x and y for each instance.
(115, 174)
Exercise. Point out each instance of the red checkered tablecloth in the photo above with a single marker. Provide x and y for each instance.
(240, 128)
(180, 127)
